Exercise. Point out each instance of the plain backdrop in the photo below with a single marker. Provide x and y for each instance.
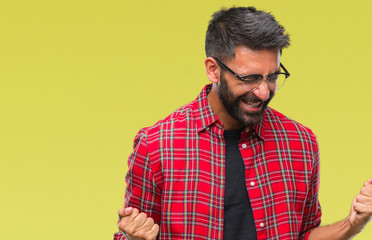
(79, 78)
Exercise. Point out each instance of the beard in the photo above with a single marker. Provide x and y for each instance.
(232, 104)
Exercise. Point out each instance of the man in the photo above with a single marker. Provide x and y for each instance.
(226, 166)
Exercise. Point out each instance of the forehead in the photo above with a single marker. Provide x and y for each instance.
(249, 61)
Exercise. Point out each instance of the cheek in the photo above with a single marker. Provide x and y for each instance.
(232, 88)
(237, 91)
(233, 84)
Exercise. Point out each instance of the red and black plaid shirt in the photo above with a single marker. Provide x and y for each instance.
(177, 174)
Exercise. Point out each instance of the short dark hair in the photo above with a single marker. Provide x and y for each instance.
(243, 26)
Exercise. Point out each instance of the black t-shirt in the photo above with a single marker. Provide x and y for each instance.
(238, 220)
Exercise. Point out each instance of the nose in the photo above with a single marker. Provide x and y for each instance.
(262, 91)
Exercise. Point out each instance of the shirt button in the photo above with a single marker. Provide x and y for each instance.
(244, 145)
(252, 184)
(262, 224)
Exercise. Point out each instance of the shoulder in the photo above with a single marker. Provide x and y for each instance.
(279, 124)
(179, 119)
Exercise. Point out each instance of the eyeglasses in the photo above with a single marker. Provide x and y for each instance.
(251, 82)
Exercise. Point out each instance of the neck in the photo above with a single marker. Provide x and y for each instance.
(214, 101)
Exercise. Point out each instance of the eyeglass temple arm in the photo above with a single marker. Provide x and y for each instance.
(227, 68)
(285, 70)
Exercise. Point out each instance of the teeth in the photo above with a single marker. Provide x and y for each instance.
(253, 104)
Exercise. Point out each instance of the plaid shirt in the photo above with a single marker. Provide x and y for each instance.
(177, 171)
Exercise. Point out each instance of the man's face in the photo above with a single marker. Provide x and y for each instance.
(247, 107)
(233, 104)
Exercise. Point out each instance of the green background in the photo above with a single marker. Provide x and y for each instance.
(78, 79)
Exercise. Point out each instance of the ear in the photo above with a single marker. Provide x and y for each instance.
(213, 70)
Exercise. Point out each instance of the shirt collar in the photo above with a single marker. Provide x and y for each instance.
(203, 112)
(205, 117)
(259, 128)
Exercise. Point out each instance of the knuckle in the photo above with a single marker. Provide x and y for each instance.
(358, 207)
(156, 227)
(139, 234)
(135, 210)
(131, 230)
(364, 191)
(123, 225)
(150, 220)
(142, 215)
(154, 231)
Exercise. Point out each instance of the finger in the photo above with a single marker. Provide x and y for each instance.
(363, 208)
(155, 228)
(132, 216)
(367, 200)
(140, 219)
(143, 231)
(368, 182)
(147, 225)
(154, 231)
(366, 190)
(126, 223)
(136, 227)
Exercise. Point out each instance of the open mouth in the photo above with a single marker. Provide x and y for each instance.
(252, 104)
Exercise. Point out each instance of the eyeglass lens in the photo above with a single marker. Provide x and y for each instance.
(274, 82)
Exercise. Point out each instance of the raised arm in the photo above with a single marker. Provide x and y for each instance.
(360, 215)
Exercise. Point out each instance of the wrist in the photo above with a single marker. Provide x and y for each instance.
(342, 230)
(348, 229)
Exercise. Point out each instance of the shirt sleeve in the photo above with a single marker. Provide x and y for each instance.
(142, 191)
(312, 211)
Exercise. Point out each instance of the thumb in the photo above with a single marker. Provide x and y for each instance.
(370, 181)
(123, 212)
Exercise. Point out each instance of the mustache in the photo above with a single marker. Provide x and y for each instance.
(254, 99)
(250, 99)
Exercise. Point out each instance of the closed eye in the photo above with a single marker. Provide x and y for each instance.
(273, 77)
(251, 78)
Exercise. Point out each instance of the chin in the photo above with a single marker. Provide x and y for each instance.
(250, 119)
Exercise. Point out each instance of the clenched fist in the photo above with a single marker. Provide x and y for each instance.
(361, 209)
(136, 225)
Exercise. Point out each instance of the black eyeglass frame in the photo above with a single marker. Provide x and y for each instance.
(242, 78)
